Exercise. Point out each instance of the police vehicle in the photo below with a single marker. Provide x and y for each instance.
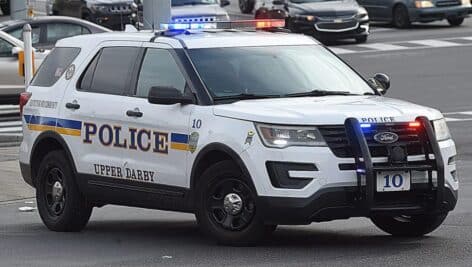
(247, 129)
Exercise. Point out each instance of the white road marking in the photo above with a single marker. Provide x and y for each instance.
(10, 123)
(383, 47)
(466, 113)
(9, 107)
(434, 43)
(449, 116)
(340, 51)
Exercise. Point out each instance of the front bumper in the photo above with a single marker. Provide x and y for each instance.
(341, 203)
(438, 13)
(361, 29)
(346, 187)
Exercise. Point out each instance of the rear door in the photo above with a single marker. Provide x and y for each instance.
(96, 100)
(10, 81)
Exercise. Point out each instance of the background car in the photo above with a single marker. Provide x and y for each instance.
(113, 14)
(11, 83)
(326, 20)
(246, 6)
(5, 7)
(401, 13)
(47, 30)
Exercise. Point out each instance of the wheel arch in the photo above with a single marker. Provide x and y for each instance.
(44, 143)
(211, 154)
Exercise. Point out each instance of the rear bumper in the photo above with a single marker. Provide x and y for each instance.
(341, 203)
(438, 13)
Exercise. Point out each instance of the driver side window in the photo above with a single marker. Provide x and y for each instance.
(5, 48)
(159, 69)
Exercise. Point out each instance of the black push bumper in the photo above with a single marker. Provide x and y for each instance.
(363, 200)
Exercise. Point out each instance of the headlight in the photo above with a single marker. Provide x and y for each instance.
(284, 136)
(305, 17)
(441, 130)
(423, 4)
(466, 2)
(362, 14)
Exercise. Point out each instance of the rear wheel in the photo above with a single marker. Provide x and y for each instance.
(246, 6)
(455, 21)
(6, 8)
(226, 206)
(60, 204)
(409, 226)
(401, 18)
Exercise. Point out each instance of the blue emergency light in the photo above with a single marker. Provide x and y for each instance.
(238, 24)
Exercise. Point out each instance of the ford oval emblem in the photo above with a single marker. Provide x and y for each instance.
(386, 137)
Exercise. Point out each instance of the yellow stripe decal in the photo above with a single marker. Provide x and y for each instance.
(179, 146)
(65, 131)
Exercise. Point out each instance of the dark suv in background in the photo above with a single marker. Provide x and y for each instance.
(401, 13)
(113, 14)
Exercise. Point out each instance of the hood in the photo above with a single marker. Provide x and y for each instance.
(325, 8)
(329, 110)
(197, 10)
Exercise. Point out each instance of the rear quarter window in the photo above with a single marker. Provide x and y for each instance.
(55, 64)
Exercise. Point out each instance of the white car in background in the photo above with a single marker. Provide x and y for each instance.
(11, 83)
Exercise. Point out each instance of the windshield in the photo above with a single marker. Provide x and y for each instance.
(193, 2)
(281, 71)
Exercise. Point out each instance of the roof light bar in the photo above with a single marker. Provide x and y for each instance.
(238, 24)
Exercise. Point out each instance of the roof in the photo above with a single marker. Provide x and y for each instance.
(194, 40)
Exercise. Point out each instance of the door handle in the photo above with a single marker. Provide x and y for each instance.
(72, 106)
(134, 113)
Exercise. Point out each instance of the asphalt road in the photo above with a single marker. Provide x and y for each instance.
(435, 75)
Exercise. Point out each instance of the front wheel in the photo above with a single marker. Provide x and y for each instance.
(455, 21)
(61, 205)
(409, 226)
(226, 206)
(401, 17)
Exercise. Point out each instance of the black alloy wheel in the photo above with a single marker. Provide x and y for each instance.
(401, 18)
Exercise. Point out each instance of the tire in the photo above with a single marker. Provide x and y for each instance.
(409, 226)
(401, 18)
(455, 21)
(361, 39)
(229, 226)
(6, 8)
(246, 6)
(66, 211)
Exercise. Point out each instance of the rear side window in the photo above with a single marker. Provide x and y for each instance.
(55, 64)
(110, 71)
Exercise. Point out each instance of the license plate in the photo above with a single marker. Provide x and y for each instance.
(388, 181)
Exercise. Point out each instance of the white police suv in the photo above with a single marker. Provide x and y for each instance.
(247, 129)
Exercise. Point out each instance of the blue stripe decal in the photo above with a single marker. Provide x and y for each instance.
(179, 138)
(69, 124)
(48, 121)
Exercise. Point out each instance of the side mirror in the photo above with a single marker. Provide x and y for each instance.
(278, 2)
(381, 82)
(15, 51)
(224, 3)
(165, 95)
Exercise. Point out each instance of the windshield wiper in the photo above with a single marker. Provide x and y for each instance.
(319, 93)
(244, 96)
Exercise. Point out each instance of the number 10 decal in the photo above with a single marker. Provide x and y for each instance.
(197, 124)
(394, 180)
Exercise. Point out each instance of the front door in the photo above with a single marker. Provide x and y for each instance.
(161, 145)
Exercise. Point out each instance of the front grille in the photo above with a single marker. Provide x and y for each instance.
(337, 26)
(336, 138)
(443, 3)
(195, 19)
(119, 9)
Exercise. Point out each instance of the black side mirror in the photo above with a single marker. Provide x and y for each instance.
(165, 95)
(278, 2)
(224, 3)
(381, 82)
